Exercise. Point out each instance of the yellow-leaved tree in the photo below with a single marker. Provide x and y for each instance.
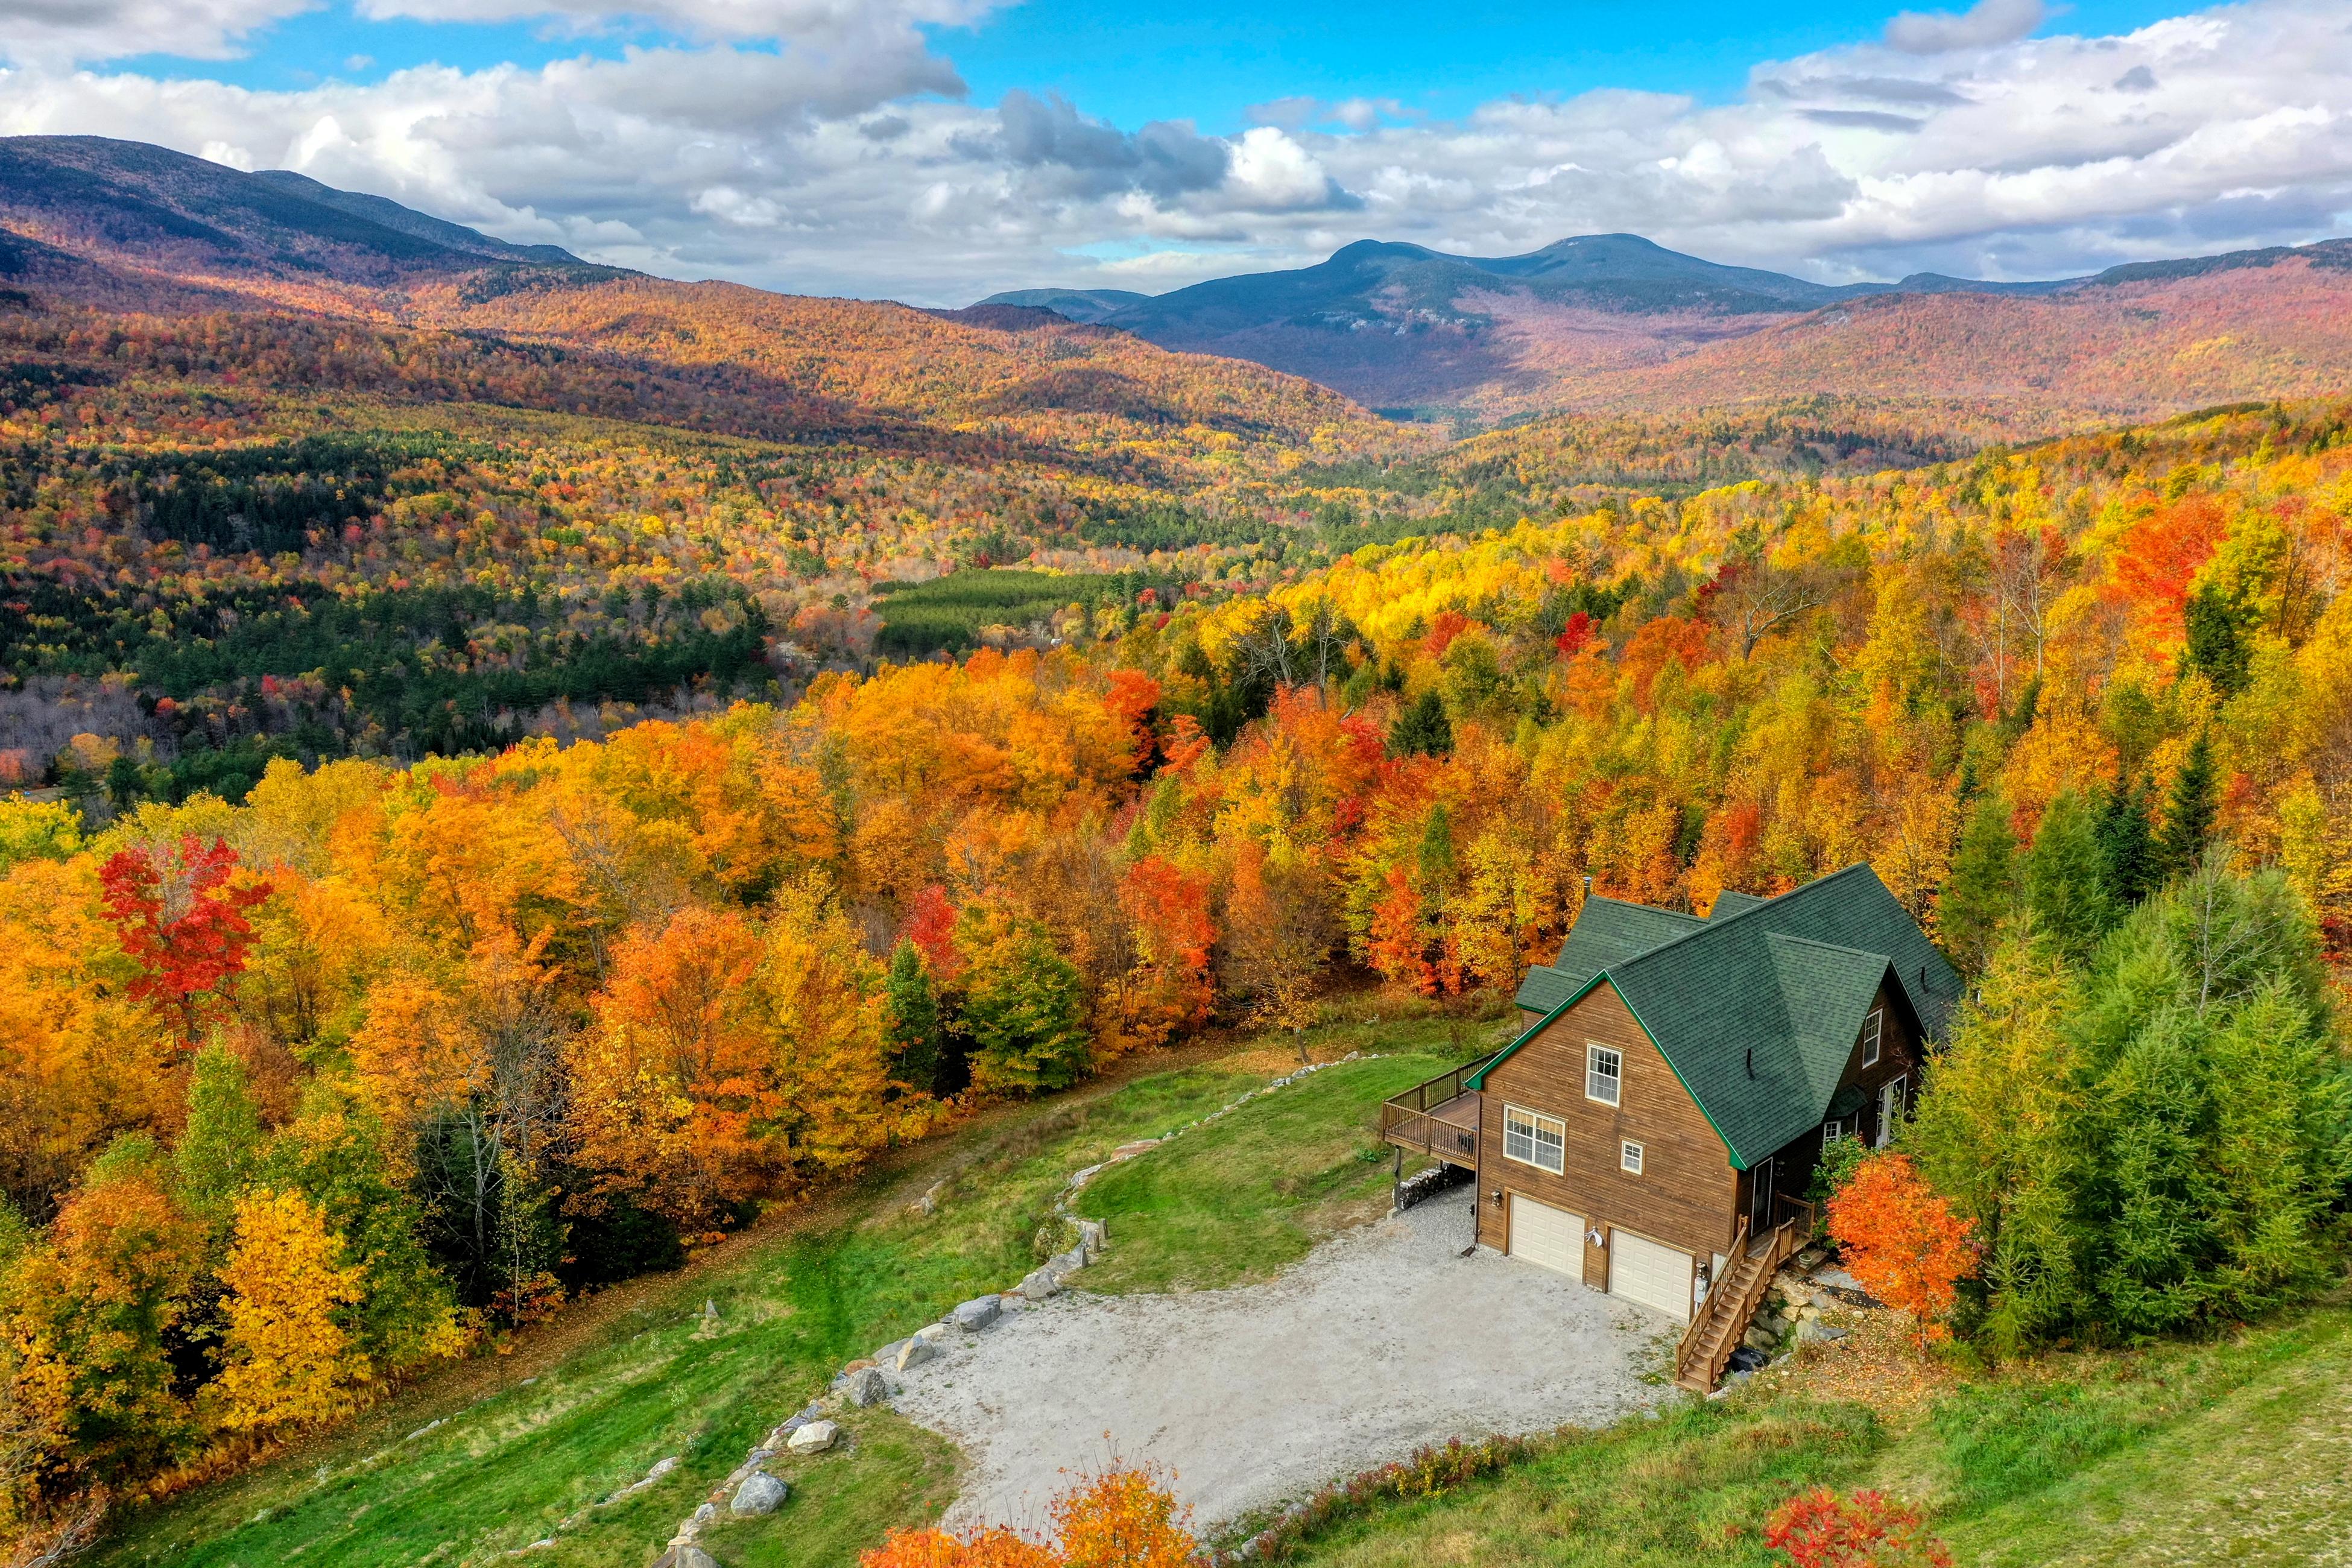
(290, 1359)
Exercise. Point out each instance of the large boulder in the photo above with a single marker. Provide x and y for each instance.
(865, 1386)
(915, 1352)
(760, 1494)
(686, 1556)
(815, 1438)
(1039, 1285)
(977, 1313)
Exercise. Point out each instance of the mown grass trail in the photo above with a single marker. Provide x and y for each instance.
(435, 1478)
(2235, 1453)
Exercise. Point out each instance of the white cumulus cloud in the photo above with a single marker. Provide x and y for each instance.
(845, 159)
(60, 32)
(1986, 23)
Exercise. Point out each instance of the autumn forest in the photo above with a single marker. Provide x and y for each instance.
(517, 775)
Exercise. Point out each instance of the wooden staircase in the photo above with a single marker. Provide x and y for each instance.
(1706, 1345)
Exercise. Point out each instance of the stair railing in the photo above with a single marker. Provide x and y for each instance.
(1706, 1313)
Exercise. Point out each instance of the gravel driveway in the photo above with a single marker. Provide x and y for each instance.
(1377, 1342)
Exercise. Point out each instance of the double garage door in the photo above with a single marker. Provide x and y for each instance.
(1639, 1269)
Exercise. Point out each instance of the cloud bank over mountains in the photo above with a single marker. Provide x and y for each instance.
(828, 146)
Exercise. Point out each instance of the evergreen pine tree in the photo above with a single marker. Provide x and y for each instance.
(1024, 1009)
(2190, 814)
(1981, 887)
(2064, 880)
(1995, 1132)
(2127, 841)
(914, 1020)
(2218, 624)
(1422, 729)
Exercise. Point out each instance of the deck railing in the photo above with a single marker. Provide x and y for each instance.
(1406, 1118)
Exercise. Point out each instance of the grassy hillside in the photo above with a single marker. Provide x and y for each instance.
(479, 1463)
(2237, 1452)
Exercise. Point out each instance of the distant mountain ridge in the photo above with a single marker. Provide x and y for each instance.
(1086, 305)
(1602, 324)
(1401, 327)
(144, 211)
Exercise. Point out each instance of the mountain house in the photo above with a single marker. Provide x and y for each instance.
(1651, 1129)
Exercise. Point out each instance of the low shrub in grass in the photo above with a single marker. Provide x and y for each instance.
(1434, 1470)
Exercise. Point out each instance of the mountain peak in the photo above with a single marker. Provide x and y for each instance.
(127, 204)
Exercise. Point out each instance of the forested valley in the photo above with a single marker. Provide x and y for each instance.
(499, 807)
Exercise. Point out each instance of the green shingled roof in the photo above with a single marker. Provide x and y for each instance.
(1758, 1008)
(1606, 931)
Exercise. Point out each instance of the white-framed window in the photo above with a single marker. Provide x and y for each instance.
(1872, 1029)
(1534, 1138)
(1604, 1070)
(1628, 1158)
(1835, 1128)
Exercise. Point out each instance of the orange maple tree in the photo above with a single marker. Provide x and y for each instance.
(1902, 1240)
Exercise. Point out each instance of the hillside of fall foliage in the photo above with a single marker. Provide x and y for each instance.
(519, 767)
(478, 1034)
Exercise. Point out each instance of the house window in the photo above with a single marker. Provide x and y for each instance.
(1534, 1140)
(1629, 1158)
(1870, 1027)
(1602, 1070)
(1835, 1128)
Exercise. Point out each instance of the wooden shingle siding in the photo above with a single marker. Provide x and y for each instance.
(1685, 1196)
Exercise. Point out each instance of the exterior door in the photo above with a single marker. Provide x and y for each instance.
(1542, 1233)
(1656, 1276)
(1759, 1197)
(1890, 1106)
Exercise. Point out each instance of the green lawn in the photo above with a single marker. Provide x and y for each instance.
(2240, 1455)
(2237, 1453)
(504, 1468)
(888, 1472)
(1246, 1196)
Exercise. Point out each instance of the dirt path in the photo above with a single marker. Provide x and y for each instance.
(1380, 1340)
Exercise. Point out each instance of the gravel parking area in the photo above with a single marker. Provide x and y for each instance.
(1380, 1340)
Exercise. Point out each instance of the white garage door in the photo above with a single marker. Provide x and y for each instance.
(1642, 1270)
(1542, 1233)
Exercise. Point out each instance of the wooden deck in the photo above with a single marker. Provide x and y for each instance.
(1438, 1119)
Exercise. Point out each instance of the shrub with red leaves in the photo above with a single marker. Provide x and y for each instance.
(1819, 1530)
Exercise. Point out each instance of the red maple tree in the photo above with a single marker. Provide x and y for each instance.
(181, 919)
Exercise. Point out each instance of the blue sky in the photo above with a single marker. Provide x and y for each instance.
(936, 150)
(1208, 61)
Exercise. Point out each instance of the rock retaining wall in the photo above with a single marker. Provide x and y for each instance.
(866, 1381)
